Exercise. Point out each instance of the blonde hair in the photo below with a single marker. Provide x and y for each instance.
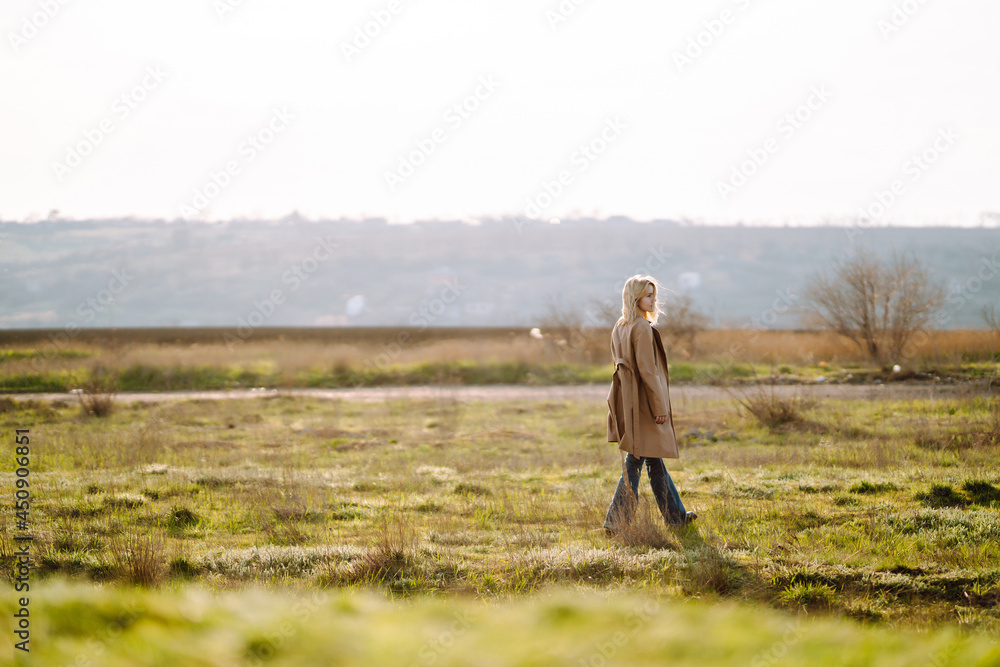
(636, 288)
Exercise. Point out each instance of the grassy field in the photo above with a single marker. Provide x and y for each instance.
(165, 360)
(858, 531)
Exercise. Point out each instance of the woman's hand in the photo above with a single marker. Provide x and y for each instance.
(662, 419)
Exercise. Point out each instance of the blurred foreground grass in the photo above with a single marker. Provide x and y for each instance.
(75, 624)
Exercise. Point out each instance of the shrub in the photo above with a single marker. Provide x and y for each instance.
(868, 488)
(184, 567)
(941, 495)
(97, 397)
(182, 517)
(469, 489)
(808, 595)
(768, 407)
(981, 493)
(391, 554)
(137, 556)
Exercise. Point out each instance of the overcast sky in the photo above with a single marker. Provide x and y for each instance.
(762, 111)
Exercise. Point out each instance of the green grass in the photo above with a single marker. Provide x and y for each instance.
(74, 368)
(32, 353)
(47, 382)
(866, 487)
(141, 377)
(838, 516)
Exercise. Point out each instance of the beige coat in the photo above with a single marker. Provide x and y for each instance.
(640, 390)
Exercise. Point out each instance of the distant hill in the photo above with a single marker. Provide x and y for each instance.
(295, 272)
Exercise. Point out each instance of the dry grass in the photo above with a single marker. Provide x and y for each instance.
(647, 529)
(91, 446)
(137, 555)
(360, 351)
(97, 396)
(808, 347)
(768, 407)
(391, 552)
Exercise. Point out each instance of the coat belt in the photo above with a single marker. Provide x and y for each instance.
(620, 362)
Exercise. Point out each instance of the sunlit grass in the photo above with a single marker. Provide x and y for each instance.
(500, 500)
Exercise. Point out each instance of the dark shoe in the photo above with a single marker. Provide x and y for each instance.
(688, 518)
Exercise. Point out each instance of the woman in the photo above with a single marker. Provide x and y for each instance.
(639, 414)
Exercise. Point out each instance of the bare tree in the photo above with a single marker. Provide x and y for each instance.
(992, 318)
(560, 318)
(680, 322)
(604, 313)
(879, 305)
(683, 322)
(582, 333)
(569, 333)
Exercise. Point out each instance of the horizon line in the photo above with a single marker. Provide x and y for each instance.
(985, 220)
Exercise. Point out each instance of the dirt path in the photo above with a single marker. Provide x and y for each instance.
(678, 393)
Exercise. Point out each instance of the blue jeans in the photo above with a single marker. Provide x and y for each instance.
(621, 510)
